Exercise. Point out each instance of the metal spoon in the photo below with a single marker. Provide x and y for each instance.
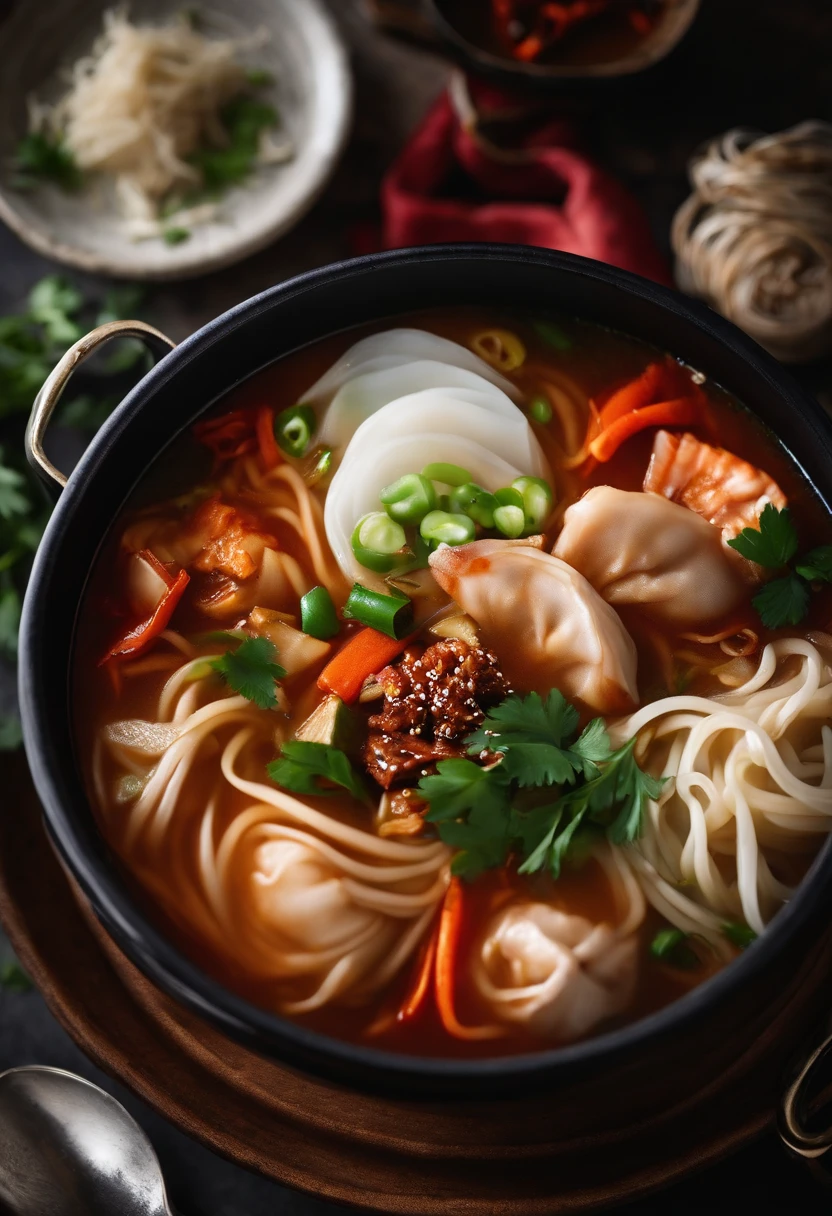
(69, 1149)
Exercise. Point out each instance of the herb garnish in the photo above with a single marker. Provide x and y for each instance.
(783, 601)
(13, 978)
(739, 933)
(671, 946)
(518, 804)
(251, 671)
(39, 158)
(302, 766)
(244, 118)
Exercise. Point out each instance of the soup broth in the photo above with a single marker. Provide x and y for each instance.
(402, 880)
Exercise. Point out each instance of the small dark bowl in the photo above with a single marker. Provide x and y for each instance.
(700, 1035)
(558, 78)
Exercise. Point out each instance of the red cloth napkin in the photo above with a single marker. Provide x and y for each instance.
(452, 183)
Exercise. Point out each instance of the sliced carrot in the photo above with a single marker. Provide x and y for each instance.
(658, 380)
(269, 451)
(417, 992)
(364, 654)
(140, 636)
(447, 948)
(681, 411)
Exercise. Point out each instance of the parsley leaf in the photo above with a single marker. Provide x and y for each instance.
(545, 798)
(816, 566)
(773, 544)
(785, 601)
(302, 766)
(251, 671)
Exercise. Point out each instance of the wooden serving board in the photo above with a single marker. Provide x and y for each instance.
(380, 1154)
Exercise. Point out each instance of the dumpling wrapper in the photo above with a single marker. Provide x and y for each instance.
(394, 348)
(543, 620)
(555, 973)
(637, 548)
(450, 425)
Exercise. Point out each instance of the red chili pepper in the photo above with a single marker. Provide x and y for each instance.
(139, 636)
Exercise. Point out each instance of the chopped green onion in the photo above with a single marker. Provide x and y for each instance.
(475, 502)
(671, 946)
(409, 499)
(537, 500)
(390, 614)
(739, 934)
(378, 542)
(293, 429)
(448, 474)
(540, 410)
(320, 467)
(445, 527)
(317, 614)
(511, 521)
(509, 497)
(553, 335)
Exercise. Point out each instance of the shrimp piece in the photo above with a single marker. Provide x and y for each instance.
(727, 491)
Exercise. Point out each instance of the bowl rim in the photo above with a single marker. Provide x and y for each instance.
(183, 979)
(332, 70)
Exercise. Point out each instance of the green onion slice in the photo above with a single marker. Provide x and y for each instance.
(378, 542)
(475, 502)
(409, 499)
(318, 617)
(446, 527)
(510, 520)
(294, 428)
(540, 410)
(509, 497)
(671, 946)
(553, 335)
(537, 500)
(447, 474)
(390, 614)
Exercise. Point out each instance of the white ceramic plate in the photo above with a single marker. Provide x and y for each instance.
(312, 92)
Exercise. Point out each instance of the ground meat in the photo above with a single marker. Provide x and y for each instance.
(431, 702)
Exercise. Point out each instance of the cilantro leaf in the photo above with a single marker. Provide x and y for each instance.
(11, 733)
(483, 839)
(529, 732)
(592, 747)
(633, 789)
(773, 544)
(251, 671)
(13, 978)
(460, 785)
(39, 158)
(816, 566)
(302, 766)
(785, 601)
(243, 118)
(52, 302)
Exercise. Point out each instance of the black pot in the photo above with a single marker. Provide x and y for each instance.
(699, 1035)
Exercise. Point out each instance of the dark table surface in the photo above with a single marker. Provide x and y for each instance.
(760, 63)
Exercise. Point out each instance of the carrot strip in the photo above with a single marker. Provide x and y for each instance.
(681, 411)
(364, 654)
(418, 990)
(447, 946)
(141, 635)
(634, 395)
(264, 425)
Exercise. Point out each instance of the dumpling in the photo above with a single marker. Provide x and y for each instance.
(365, 394)
(642, 549)
(556, 973)
(452, 425)
(394, 348)
(543, 620)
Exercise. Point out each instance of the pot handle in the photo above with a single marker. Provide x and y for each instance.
(49, 396)
(795, 1107)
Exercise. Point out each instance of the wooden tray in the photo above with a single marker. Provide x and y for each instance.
(383, 1155)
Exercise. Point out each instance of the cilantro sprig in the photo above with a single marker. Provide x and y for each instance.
(316, 768)
(545, 790)
(773, 545)
(251, 671)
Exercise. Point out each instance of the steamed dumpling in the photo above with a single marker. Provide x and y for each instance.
(643, 549)
(557, 974)
(543, 620)
(395, 348)
(443, 424)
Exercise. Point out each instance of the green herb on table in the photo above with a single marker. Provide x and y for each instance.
(43, 158)
(773, 545)
(251, 671)
(315, 768)
(543, 792)
(13, 978)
